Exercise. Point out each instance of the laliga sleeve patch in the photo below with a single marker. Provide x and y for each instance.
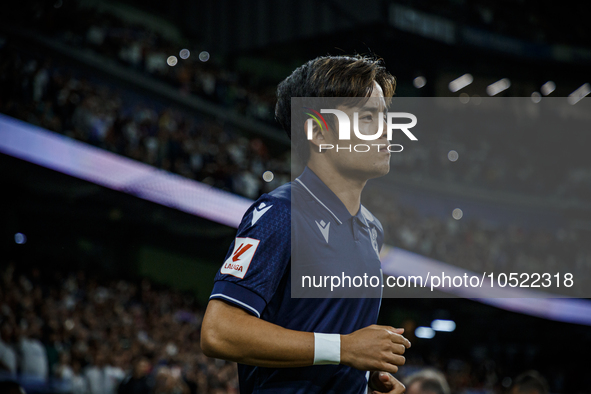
(237, 264)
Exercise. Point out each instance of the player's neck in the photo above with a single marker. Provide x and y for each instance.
(347, 189)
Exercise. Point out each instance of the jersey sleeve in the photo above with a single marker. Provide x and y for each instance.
(258, 257)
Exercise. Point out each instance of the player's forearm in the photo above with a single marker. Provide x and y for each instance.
(229, 333)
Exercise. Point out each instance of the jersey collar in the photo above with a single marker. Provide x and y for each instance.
(326, 197)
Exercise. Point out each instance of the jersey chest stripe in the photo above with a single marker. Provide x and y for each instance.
(317, 199)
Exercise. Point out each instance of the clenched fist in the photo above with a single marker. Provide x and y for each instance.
(374, 348)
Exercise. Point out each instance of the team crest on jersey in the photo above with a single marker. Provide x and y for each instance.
(239, 261)
(374, 240)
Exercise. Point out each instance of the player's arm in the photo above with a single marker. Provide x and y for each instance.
(228, 332)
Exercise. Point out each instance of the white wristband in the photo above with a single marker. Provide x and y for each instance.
(327, 349)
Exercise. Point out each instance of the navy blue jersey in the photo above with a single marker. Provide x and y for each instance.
(256, 276)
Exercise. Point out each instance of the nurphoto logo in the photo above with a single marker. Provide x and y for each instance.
(345, 129)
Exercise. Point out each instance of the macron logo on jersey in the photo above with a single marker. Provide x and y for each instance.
(237, 264)
(323, 227)
(259, 211)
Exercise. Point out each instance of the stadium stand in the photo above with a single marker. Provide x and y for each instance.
(85, 332)
(58, 98)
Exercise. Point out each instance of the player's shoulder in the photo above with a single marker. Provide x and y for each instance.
(282, 193)
(272, 207)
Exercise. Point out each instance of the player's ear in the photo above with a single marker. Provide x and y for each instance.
(318, 135)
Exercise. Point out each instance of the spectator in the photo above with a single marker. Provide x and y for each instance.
(33, 357)
(115, 373)
(137, 381)
(169, 381)
(7, 353)
(63, 369)
(96, 375)
(79, 382)
(530, 382)
(427, 381)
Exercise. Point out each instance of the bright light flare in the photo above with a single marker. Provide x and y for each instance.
(184, 54)
(497, 87)
(460, 82)
(204, 56)
(424, 332)
(548, 88)
(20, 238)
(172, 61)
(268, 176)
(452, 155)
(578, 94)
(419, 82)
(443, 325)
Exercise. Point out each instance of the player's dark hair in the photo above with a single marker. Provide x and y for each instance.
(430, 381)
(330, 76)
(531, 381)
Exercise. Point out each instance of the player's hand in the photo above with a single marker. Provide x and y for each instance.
(384, 383)
(374, 348)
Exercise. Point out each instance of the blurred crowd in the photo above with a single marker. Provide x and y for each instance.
(115, 336)
(143, 49)
(529, 20)
(510, 163)
(54, 97)
(104, 337)
(506, 155)
(476, 244)
(63, 99)
(57, 98)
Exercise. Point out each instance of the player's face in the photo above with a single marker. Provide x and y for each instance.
(357, 163)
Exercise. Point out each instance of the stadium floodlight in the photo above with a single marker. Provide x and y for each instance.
(443, 325)
(548, 88)
(460, 82)
(497, 87)
(424, 332)
(578, 94)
